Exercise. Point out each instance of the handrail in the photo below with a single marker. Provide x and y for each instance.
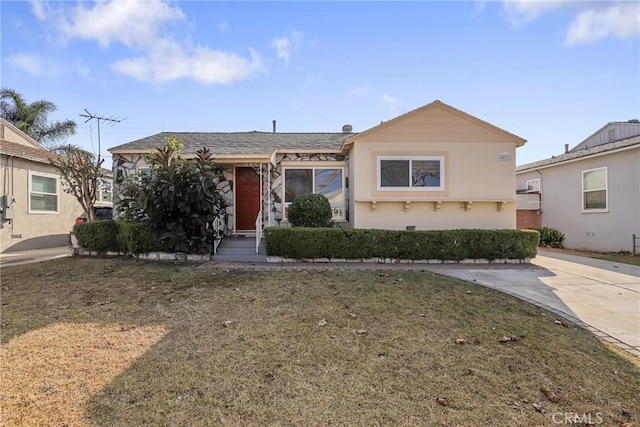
(218, 226)
(258, 230)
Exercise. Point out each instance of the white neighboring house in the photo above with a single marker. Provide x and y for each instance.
(590, 193)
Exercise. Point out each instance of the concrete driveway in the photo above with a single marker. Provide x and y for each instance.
(601, 296)
(8, 259)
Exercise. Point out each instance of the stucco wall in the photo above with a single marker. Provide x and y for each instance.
(473, 173)
(33, 230)
(597, 231)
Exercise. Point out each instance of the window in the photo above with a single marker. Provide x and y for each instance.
(594, 190)
(533, 185)
(43, 193)
(105, 191)
(326, 181)
(420, 173)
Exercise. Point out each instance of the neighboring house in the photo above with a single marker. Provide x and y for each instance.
(36, 211)
(435, 167)
(591, 193)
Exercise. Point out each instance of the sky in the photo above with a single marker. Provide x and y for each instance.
(551, 72)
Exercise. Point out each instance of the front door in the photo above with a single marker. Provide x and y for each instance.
(247, 198)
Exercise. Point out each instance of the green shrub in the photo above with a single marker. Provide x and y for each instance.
(310, 210)
(307, 243)
(550, 237)
(137, 238)
(99, 236)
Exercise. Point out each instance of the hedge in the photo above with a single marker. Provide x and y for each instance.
(117, 236)
(308, 243)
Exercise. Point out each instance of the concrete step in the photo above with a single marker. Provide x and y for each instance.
(240, 258)
(238, 250)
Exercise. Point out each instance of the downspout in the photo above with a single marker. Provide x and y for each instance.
(540, 192)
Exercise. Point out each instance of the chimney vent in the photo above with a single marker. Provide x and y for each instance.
(347, 128)
(566, 148)
(274, 126)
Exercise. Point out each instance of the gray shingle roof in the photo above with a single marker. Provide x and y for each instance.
(238, 143)
(581, 153)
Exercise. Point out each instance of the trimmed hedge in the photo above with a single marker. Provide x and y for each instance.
(99, 236)
(117, 236)
(456, 245)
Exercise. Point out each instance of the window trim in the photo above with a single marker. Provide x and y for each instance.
(606, 190)
(533, 190)
(30, 191)
(380, 158)
(285, 205)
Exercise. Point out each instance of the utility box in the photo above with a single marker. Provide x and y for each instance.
(7, 200)
(8, 213)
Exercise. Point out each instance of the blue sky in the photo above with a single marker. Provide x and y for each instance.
(552, 72)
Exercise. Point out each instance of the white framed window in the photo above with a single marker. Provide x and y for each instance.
(533, 185)
(105, 190)
(44, 190)
(410, 173)
(594, 190)
(328, 181)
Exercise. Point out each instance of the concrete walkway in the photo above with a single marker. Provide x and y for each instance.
(601, 296)
(33, 255)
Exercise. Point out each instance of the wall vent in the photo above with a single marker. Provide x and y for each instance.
(1, 131)
(612, 135)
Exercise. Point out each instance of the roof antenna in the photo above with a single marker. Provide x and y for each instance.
(110, 120)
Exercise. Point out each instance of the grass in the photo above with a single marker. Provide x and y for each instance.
(122, 342)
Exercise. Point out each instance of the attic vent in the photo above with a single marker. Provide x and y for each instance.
(612, 134)
(1, 131)
(347, 128)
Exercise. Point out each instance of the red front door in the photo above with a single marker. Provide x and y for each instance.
(247, 198)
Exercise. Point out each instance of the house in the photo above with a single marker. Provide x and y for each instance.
(36, 212)
(435, 167)
(590, 193)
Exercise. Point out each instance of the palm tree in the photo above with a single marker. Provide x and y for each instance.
(32, 118)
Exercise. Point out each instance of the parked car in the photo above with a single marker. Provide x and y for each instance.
(101, 212)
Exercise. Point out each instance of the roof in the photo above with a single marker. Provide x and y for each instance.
(25, 152)
(239, 143)
(437, 103)
(574, 155)
(26, 138)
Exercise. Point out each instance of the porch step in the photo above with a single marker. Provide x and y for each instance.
(240, 249)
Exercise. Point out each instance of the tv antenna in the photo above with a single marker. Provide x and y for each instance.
(110, 120)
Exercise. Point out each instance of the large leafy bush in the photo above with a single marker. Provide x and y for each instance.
(178, 199)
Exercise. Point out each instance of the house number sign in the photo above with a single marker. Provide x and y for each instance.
(504, 156)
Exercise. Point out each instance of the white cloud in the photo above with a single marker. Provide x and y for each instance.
(593, 20)
(620, 20)
(285, 46)
(145, 28)
(30, 63)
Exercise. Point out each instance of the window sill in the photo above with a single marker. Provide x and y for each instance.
(591, 211)
(43, 213)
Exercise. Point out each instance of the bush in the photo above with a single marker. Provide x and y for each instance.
(310, 210)
(137, 238)
(307, 243)
(99, 236)
(550, 237)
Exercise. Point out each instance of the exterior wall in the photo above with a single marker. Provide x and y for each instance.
(473, 173)
(423, 216)
(611, 132)
(604, 231)
(528, 219)
(30, 230)
(11, 134)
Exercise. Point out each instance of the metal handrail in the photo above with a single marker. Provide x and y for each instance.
(258, 230)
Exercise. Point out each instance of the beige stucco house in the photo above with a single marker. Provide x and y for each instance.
(433, 168)
(590, 193)
(36, 212)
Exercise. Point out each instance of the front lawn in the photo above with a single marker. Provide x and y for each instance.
(120, 342)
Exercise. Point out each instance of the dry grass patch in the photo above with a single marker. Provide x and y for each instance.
(320, 348)
(51, 373)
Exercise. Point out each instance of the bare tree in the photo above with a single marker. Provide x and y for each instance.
(82, 175)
